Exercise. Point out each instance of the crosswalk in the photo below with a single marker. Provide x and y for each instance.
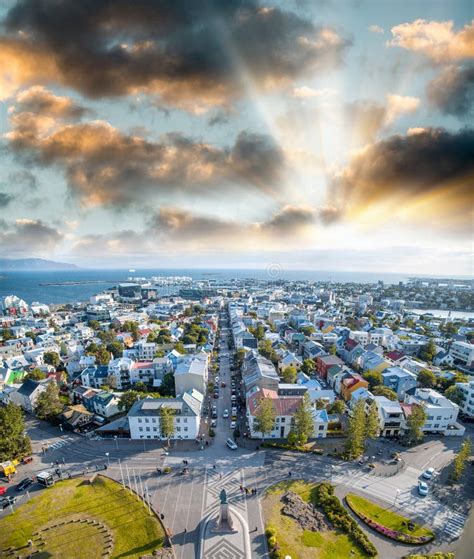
(60, 443)
(455, 524)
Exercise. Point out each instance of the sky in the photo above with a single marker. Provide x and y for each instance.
(301, 134)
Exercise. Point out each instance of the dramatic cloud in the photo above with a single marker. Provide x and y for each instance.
(23, 179)
(436, 40)
(452, 92)
(190, 54)
(107, 167)
(290, 220)
(27, 236)
(426, 175)
(398, 105)
(39, 100)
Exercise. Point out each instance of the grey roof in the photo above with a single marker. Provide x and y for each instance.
(185, 405)
(28, 387)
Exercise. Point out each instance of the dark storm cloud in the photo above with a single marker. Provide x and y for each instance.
(107, 167)
(452, 92)
(5, 199)
(289, 219)
(429, 166)
(178, 49)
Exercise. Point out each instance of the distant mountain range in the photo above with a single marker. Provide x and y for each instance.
(33, 265)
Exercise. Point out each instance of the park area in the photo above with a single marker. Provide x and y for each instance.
(387, 522)
(81, 519)
(295, 527)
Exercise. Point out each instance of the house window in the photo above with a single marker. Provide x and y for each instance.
(185, 419)
(178, 420)
(140, 428)
(439, 417)
(185, 428)
(147, 420)
(178, 428)
(148, 429)
(321, 428)
(153, 419)
(283, 419)
(139, 420)
(436, 425)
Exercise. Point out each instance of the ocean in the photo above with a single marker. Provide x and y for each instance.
(31, 287)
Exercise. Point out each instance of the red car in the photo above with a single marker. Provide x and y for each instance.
(3, 490)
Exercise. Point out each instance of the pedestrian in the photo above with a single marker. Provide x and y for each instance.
(220, 475)
(162, 516)
(185, 530)
(214, 467)
(289, 473)
(64, 461)
(241, 489)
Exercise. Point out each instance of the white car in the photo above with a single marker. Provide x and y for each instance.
(233, 424)
(428, 474)
(230, 443)
(225, 414)
(216, 380)
(422, 488)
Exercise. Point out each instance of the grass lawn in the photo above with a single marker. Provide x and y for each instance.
(299, 543)
(386, 517)
(118, 515)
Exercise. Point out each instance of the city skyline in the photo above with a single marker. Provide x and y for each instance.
(307, 135)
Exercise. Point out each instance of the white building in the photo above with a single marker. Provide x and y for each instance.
(146, 350)
(463, 353)
(467, 393)
(391, 418)
(192, 373)
(120, 369)
(441, 413)
(144, 416)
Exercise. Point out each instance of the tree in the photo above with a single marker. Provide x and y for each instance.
(320, 405)
(308, 366)
(356, 432)
(462, 456)
(102, 356)
(372, 425)
(179, 347)
(14, 444)
(115, 348)
(454, 394)
(266, 349)
(338, 407)
(332, 350)
(35, 374)
(307, 330)
(51, 358)
(385, 391)
(141, 386)
(94, 324)
(374, 378)
(239, 357)
(167, 387)
(303, 420)
(189, 340)
(166, 423)
(7, 334)
(111, 381)
(426, 378)
(31, 335)
(48, 405)
(258, 331)
(264, 417)
(289, 374)
(428, 351)
(415, 422)
(128, 398)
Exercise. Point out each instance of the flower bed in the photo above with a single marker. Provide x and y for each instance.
(286, 446)
(386, 531)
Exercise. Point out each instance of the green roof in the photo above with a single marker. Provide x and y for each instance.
(15, 376)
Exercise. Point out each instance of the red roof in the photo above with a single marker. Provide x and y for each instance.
(142, 365)
(350, 344)
(283, 405)
(395, 355)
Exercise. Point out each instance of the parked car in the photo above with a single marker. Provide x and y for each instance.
(223, 384)
(214, 423)
(428, 474)
(214, 414)
(422, 488)
(231, 444)
(216, 395)
(24, 484)
(225, 414)
(233, 424)
(7, 501)
(3, 490)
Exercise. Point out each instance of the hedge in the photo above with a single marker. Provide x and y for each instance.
(286, 446)
(324, 498)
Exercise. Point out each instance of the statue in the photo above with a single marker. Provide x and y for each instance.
(224, 521)
(223, 497)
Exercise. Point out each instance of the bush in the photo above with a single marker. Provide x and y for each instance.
(212, 433)
(324, 498)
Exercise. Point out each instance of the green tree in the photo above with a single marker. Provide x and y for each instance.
(166, 423)
(141, 386)
(239, 357)
(128, 398)
(462, 456)
(264, 417)
(320, 405)
(266, 349)
(289, 374)
(52, 358)
(102, 356)
(308, 366)
(426, 378)
(94, 324)
(428, 351)
(115, 348)
(167, 387)
(338, 407)
(31, 335)
(372, 425)
(356, 433)
(7, 334)
(179, 347)
(35, 374)
(48, 404)
(307, 330)
(415, 421)
(187, 339)
(374, 378)
(454, 394)
(385, 391)
(332, 350)
(14, 444)
(303, 424)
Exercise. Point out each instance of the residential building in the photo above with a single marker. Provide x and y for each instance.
(399, 380)
(27, 394)
(325, 362)
(467, 394)
(259, 371)
(463, 353)
(192, 373)
(350, 383)
(390, 416)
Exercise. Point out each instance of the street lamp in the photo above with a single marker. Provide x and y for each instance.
(116, 441)
(108, 461)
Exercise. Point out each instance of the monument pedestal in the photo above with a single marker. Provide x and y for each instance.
(224, 522)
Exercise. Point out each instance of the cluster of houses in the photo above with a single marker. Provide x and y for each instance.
(343, 335)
